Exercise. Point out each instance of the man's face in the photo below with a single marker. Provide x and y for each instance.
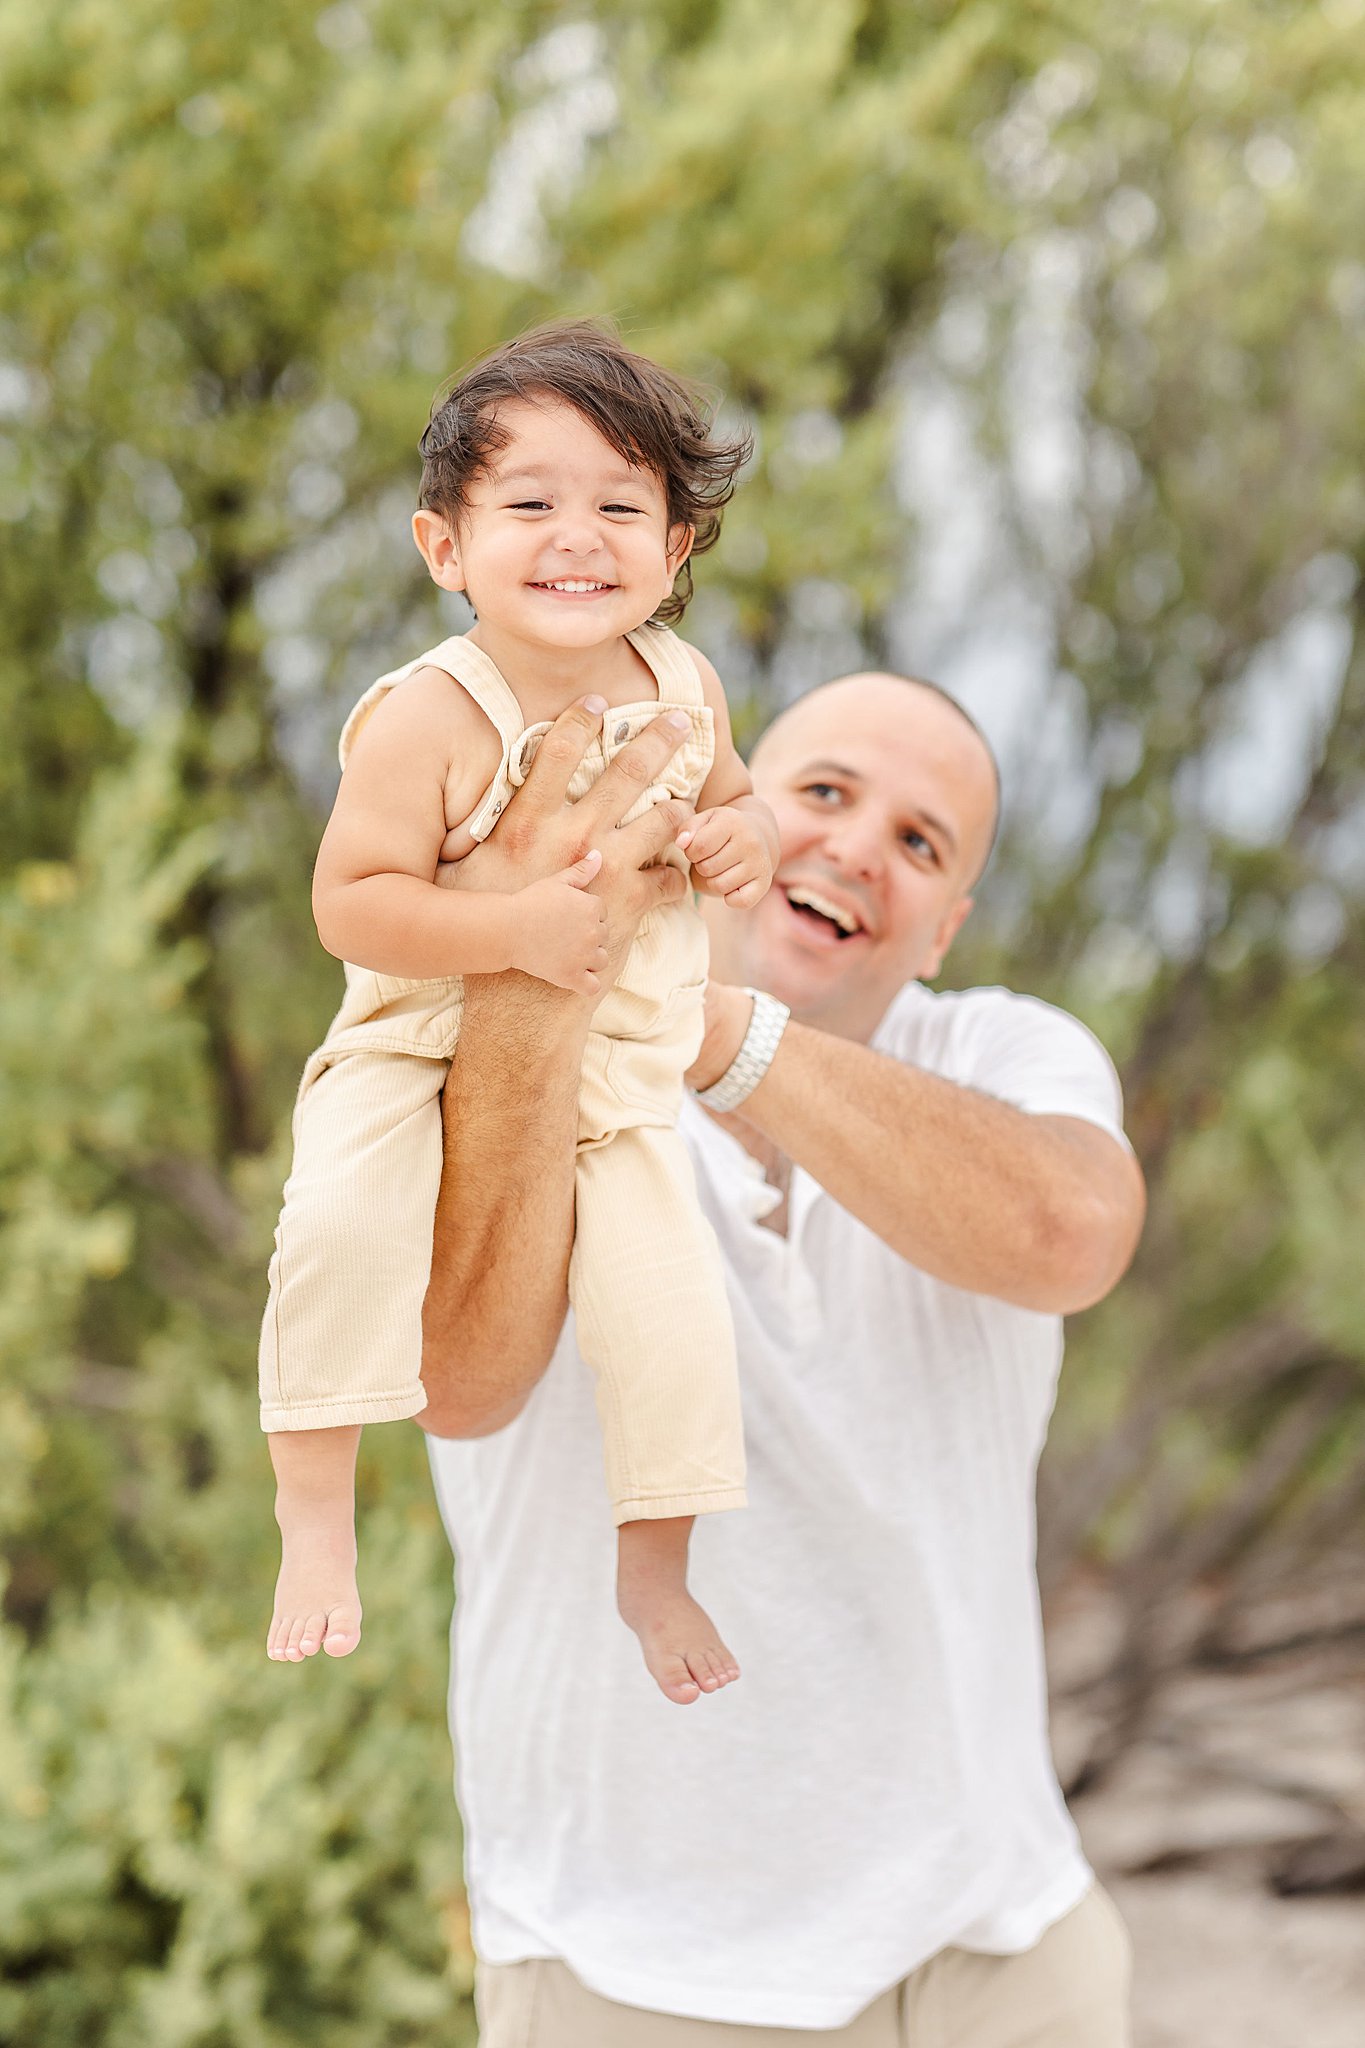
(885, 800)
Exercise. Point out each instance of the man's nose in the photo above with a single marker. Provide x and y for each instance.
(854, 845)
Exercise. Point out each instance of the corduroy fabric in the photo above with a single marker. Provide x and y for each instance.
(341, 1339)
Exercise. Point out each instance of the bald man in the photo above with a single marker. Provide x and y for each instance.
(863, 1841)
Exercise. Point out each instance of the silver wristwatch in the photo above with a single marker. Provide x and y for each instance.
(755, 1055)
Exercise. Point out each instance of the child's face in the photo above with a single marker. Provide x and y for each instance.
(563, 544)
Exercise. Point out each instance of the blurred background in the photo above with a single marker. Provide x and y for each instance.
(1050, 322)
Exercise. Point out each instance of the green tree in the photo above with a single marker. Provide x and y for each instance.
(236, 256)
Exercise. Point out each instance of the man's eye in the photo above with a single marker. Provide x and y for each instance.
(820, 790)
(917, 843)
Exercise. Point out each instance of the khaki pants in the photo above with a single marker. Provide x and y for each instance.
(342, 1338)
(1069, 1991)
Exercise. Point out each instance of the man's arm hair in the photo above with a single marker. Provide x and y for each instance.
(504, 1214)
(1044, 1212)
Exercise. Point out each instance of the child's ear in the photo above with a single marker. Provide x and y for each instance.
(679, 546)
(439, 549)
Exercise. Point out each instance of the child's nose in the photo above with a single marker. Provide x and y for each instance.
(577, 535)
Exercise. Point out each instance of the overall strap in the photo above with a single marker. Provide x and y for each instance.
(674, 669)
(470, 667)
(479, 674)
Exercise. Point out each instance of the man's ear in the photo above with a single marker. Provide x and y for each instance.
(439, 549)
(952, 924)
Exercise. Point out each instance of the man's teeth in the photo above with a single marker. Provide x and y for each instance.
(808, 899)
(575, 587)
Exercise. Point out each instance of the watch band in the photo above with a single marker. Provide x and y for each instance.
(755, 1055)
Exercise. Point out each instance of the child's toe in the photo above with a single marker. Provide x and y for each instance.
(724, 1665)
(676, 1681)
(313, 1631)
(342, 1631)
(293, 1645)
(709, 1670)
(699, 1664)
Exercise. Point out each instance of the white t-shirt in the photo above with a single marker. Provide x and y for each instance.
(878, 1784)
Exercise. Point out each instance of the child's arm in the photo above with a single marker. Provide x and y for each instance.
(732, 842)
(375, 898)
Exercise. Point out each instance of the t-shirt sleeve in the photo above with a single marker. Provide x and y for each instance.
(1046, 1062)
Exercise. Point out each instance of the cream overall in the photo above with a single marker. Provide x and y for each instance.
(341, 1341)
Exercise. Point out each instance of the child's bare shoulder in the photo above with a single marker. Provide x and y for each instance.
(712, 688)
(427, 708)
(429, 721)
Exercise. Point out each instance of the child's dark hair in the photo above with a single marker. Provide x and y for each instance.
(649, 416)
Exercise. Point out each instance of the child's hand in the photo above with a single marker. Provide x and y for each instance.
(731, 855)
(559, 931)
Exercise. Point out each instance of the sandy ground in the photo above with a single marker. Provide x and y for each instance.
(1245, 1779)
(1222, 1965)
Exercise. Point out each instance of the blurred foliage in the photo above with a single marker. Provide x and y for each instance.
(192, 1851)
(1117, 253)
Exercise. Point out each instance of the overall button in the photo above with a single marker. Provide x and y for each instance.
(622, 732)
(523, 754)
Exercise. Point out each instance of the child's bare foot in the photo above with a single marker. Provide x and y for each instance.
(317, 1605)
(682, 1649)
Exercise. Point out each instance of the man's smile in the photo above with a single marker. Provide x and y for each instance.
(824, 914)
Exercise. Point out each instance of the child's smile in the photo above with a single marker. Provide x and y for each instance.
(575, 589)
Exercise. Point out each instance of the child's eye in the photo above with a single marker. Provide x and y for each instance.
(529, 505)
(623, 508)
(820, 790)
(917, 843)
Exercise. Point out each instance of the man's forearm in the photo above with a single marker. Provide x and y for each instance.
(1042, 1212)
(504, 1216)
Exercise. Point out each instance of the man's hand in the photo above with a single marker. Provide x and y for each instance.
(731, 851)
(540, 833)
(727, 1015)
